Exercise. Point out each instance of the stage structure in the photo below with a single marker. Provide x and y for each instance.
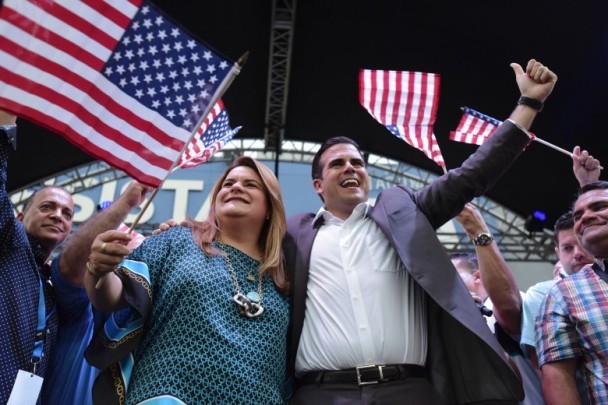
(515, 242)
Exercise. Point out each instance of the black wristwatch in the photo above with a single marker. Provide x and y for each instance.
(483, 239)
(531, 102)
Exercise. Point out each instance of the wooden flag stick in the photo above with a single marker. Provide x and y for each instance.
(557, 148)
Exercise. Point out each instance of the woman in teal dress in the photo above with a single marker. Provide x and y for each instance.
(206, 313)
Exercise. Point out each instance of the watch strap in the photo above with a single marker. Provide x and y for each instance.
(483, 239)
(531, 102)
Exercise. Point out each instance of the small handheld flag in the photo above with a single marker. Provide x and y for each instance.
(214, 133)
(474, 127)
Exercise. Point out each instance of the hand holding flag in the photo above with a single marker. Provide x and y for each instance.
(476, 128)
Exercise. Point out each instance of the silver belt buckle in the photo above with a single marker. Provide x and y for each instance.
(381, 375)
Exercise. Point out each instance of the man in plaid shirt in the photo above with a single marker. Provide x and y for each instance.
(572, 327)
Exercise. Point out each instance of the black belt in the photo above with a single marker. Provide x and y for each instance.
(364, 375)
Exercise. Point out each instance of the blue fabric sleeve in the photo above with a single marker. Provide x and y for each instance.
(72, 301)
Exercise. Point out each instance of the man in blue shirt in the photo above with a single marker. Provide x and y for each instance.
(70, 378)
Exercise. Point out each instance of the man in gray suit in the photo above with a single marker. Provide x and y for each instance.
(379, 313)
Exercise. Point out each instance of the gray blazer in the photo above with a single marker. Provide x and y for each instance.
(465, 362)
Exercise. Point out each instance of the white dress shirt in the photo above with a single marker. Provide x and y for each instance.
(362, 306)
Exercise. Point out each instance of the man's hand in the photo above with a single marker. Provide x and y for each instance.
(135, 194)
(472, 221)
(585, 167)
(536, 82)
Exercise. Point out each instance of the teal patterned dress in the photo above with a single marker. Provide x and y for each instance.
(196, 347)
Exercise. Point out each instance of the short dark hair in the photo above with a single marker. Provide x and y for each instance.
(563, 223)
(596, 185)
(470, 259)
(317, 170)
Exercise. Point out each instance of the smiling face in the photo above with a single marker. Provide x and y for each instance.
(591, 221)
(344, 182)
(48, 218)
(242, 195)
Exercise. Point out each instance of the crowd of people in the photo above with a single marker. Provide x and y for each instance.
(357, 303)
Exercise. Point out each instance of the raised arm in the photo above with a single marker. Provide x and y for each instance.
(535, 83)
(445, 197)
(6, 207)
(76, 252)
(496, 277)
(585, 167)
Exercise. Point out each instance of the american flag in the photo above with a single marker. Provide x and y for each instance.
(211, 137)
(406, 104)
(118, 79)
(137, 238)
(474, 127)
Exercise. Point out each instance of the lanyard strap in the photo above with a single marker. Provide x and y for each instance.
(40, 329)
(43, 320)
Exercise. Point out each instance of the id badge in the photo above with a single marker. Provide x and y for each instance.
(26, 389)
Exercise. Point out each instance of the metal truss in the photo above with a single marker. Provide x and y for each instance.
(281, 37)
(73, 180)
(508, 228)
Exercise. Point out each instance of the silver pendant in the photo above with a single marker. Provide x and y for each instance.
(246, 307)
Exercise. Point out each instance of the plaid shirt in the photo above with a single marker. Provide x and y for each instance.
(573, 323)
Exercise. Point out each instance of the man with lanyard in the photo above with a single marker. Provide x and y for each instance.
(572, 327)
(28, 319)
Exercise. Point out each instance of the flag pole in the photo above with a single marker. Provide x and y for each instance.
(234, 71)
(495, 122)
(557, 148)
